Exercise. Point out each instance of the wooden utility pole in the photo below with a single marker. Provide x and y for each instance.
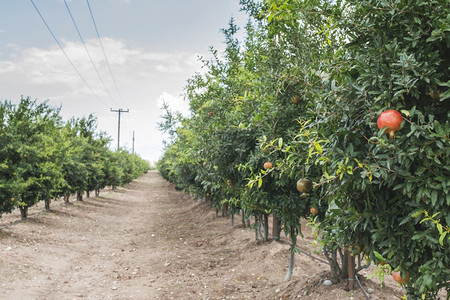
(118, 129)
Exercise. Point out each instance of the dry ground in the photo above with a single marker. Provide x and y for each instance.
(149, 241)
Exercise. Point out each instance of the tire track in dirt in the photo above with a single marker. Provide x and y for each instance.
(97, 249)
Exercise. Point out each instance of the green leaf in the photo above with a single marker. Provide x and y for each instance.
(420, 171)
(442, 237)
(417, 213)
(434, 197)
(405, 220)
(418, 236)
(318, 147)
(378, 256)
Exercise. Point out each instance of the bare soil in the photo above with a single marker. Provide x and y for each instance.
(148, 241)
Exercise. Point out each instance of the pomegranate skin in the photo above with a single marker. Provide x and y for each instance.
(391, 119)
(397, 277)
(268, 165)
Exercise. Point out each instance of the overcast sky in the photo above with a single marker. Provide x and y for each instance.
(152, 47)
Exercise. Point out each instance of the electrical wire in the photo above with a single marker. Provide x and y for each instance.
(103, 49)
(89, 55)
(106, 58)
(65, 54)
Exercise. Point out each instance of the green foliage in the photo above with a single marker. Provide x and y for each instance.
(42, 158)
(346, 61)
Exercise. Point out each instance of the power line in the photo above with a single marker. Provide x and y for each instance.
(103, 49)
(65, 54)
(87, 51)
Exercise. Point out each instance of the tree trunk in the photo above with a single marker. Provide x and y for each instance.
(97, 192)
(79, 196)
(256, 227)
(279, 228)
(331, 255)
(276, 227)
(88, 193)
(292, 256)
(265, 219)
(232, 220)
(66, 198)
(244, 219)
(47, 204)
(351, 270)
(24, 212)
(224, 210)
(345, 262)
(335, 271)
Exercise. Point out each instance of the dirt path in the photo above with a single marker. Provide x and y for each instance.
(148, 241)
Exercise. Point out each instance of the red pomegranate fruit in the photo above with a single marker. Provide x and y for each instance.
(390, 119)
(398, 277)
(268, 165)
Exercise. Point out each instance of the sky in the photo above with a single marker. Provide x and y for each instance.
(152, 48)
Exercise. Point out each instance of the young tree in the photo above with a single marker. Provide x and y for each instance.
(32, 131)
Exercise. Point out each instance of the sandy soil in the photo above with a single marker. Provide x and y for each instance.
(149, 241)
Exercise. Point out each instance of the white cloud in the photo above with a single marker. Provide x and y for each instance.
(50, 65)
(174, 68)
(175, 103)
(144, 78)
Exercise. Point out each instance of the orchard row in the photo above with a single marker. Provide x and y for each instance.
(42, 157)
(303, 91)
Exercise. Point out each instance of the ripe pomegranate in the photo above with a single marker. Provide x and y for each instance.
(304, 185)
(295, 99)
(313, 210)
(268, 165)
(210, 114)
(398, 277)
(390, 119)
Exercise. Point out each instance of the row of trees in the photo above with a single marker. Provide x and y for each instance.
(303, 91)
(42, 157)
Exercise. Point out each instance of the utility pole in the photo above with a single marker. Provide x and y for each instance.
(118, 124)
(133, 143)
